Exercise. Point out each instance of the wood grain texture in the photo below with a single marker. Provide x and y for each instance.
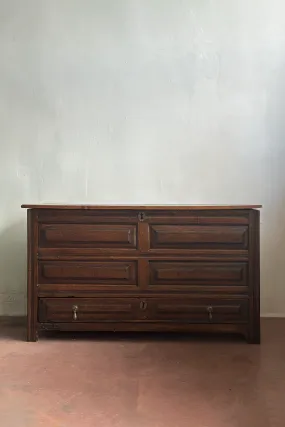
(99, 274)
(199, 310)
(198, 237)
(144, 268)
(194, 276)
(87, 309)
(87, 235)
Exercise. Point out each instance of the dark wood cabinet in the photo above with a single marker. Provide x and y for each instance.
(143, 268)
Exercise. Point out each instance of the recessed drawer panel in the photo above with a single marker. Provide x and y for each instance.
(187, 274)
(109, 236)
(92, 273)
(200, 310)
(87, 309)
(198, 237)
(87, 216)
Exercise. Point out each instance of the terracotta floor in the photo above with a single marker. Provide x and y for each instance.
(142, 381)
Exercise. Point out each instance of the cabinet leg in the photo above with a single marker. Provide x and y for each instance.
(253, 338)
(32, 335)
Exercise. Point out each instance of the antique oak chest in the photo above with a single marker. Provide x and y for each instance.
(143, 268)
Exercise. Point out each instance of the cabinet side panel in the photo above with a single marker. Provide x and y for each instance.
(254, 276)
(32, 241)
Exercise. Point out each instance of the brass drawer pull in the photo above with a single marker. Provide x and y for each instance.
(143, 305)
(75, 310)
(210, 312)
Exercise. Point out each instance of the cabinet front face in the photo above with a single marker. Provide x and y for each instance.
(198, 276)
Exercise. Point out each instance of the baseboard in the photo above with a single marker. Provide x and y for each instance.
(273, 315)
(13, 320)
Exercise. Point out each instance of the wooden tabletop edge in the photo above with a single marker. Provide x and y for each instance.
(138, 207)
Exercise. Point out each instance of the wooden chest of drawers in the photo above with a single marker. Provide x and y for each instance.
(143, 268)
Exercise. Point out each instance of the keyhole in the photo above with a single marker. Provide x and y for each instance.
(210, 312)
(143, 305)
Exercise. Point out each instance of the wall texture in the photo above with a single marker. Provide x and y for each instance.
(142, 101)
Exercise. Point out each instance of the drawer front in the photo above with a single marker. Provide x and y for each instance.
(185, 237)
(101, 236)
(182, 275)
(208, 310)
(197, 217)
(97, 273)
(86, 216)
(87, 309)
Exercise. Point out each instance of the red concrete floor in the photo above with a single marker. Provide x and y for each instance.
(142, 380)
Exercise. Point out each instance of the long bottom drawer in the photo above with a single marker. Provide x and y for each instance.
(188, 310)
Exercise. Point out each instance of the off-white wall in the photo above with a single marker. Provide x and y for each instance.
(142, 101)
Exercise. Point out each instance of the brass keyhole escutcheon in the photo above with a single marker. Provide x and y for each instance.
(210, 312)
(74, 311)
(143, 305)
(141, 216)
